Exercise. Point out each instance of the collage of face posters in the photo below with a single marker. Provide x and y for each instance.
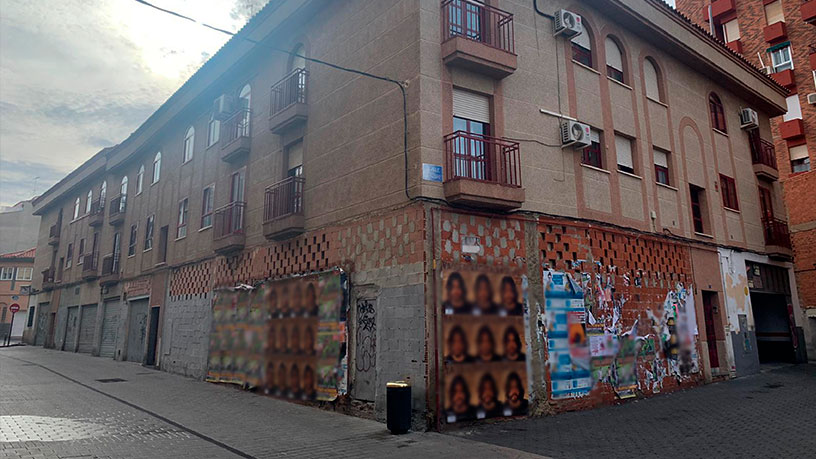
(484, 345)
(286, 336)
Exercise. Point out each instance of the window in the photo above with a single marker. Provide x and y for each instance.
(717, 113)
(132, 244)
(207, 206)
(157, 167)
(148, 240)
(181, 231)
(189, 144)
(661, 162)
(731, 31)
(623, 149)
(800, 161)
(81, 253)
(244, 103)
(30, 322)
(103, 193)
(781, 57)
(794, 108)
(163, 234)
(7, 273)
(582, 48)
(652, 80)
(614, 60)
(76, 208)
(728, 189)
(213, 131)
(294, 159)
(88, 202)
(140, 180)
(69, 256)
(773, 12)
(24, 274)
(696, 194)
(592, 155)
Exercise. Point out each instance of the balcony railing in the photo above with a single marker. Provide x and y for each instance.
(763, 152)
(290, 90)
(237, 126)
(478, 22)
(482, 158)
(110, 264)
(776, 232)
(284, 198)
(118, 205)
(97, 213)
(229, 220)
(54, 231)
(90, 265)
(48, 277)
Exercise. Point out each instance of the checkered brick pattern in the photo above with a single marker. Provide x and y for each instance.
(501, 240)
(191, 279)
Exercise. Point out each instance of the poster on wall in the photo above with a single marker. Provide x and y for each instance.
(287, 336)
(484, 345)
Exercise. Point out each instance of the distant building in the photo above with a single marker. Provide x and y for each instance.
(19, 227)
(16, 274)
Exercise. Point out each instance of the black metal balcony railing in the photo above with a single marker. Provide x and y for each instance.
(763, 152)
(90, 263)
(284, 198)
(229, 220)
(237, 126)
(118, 205)
(110, 264)
(290, 90)
(478, 22)
(97, 207)
(776, 232)
(54, 231)
(482, 158)
(48, 275)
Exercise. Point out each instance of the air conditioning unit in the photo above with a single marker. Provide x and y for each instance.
(575, 134)
(748, 119)
(568, 24)
(767, 70)
(811, 98)
(222, 107)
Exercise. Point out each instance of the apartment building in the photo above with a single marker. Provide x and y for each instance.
(460, 181)
(16, 274)
(780, 37)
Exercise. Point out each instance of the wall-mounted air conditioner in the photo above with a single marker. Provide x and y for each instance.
(767, 70)
(748, 119)
(222, 107)
(575, 134)
(567, 24)
(811, 98)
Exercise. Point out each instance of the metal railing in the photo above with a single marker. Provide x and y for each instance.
(763, 152)
(118, 205)
(110, 264)
(48, 275)
(97, 207)
(229, 220)
(54, 231)
(90, 263)
(290, 90)
(237, 126)
(776, 232)
(284, 198)
(478, 22)
(482, 158)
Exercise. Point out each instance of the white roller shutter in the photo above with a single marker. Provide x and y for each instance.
(661, 158)
(582, 40)
(295, 155)
(623, 148)
(650, 75)
(798, 152)
(613, 55)
(773, 12)
(471, 106)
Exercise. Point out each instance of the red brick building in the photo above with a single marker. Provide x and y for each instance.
(780, 37)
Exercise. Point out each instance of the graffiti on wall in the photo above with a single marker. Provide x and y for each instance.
(366, 355)
(484, 345)
(287, 336)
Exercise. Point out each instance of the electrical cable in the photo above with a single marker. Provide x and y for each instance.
(400, 84)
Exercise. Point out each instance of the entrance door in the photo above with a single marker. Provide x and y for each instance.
(71, 329)
(709, 306)
(42, 324)
(110, 328)
(137, 331)
(153, 336)
(87, 329)
(773, 330)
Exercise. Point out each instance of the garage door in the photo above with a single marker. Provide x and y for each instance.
(110, 328)
(87, 329)
(42, 324)
(71, 329)
(137, 329)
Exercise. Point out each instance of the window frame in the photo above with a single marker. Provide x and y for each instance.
(183, 218)
(69, 255)
(595, 147)
(618, 75)
(20, 277)
(77, 206)
(188, 147)
(787, 64)
(140, 180)
(157, 160)
(133, 240)
(658, 80)
(697, 218)
(148, 238)
(660, 170)
(213, 131)
(581, 54)
(88, 202)
(80, 258)
(716, 113)
(7, 273)
(205, 212)
(631, 143)
(728, 190)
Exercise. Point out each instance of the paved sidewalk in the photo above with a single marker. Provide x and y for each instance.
(771, 414)
(52, 404)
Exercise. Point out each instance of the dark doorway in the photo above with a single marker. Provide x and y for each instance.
(773, 329)
(153, 336)
(710, 311)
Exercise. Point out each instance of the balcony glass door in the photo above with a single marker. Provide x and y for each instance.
(466, 18)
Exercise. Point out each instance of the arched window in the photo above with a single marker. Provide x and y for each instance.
(582, 48)
(189, 144)
(244, 102)
(157, 167)
(123, 194)
(88, 202)
(140, 179)
(652, 79)
(103, 193)
(296, 61)
(614, 60)
(717, 113)
(76, 208)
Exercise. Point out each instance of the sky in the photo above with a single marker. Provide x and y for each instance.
(80, 75)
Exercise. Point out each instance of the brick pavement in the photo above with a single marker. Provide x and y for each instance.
(52, 405)
(770, 414)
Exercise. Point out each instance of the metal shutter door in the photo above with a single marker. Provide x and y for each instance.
(137, 328)
(471, 106)
(42, 320)
(71, 329)
(110, 328)
(87, 329)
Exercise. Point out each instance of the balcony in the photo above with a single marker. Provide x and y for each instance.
(808, 10)
(777, 238)
(791, 129)
(97, 215)
(283, 209)
(90, 266)
(116, 212)
(54, 235)
(236, 137)
(478, 37)
(775, 32)
(763, 156)
(288, 108)
(110, 270)
(720, 7)
(48, 278)
(482, 171)
(228, 228)
(786, 78)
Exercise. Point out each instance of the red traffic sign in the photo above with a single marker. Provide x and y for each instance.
(14, 308)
